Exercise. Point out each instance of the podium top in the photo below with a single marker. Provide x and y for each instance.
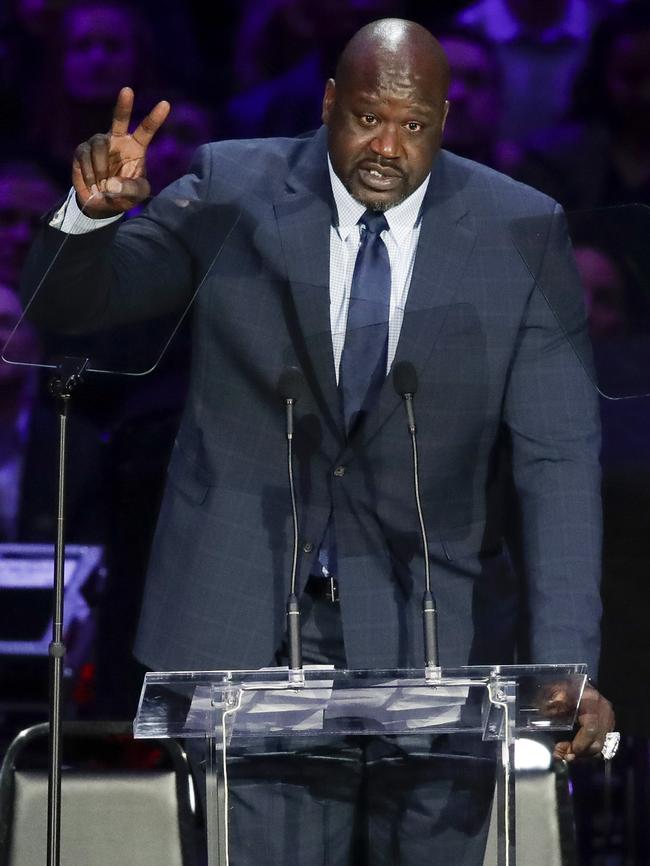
(272, 702)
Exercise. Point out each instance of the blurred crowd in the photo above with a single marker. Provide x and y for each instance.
(554, 93)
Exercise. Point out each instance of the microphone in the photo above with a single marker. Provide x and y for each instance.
(405, 381)
(291, 386)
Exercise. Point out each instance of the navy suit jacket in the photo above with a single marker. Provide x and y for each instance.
(495, 370)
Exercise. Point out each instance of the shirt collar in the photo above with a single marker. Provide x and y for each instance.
(401, 219)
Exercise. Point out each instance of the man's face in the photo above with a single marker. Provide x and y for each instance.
(100, 53)
(605, 297)
(385, 124)
(473, 96)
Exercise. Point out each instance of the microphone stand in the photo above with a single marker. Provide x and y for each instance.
(293, 606)
(67, 377)
(429, 612)
(405, 382)
(290, 387)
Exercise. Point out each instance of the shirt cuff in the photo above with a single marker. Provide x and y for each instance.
(73, 221)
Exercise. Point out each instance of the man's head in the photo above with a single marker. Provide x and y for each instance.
(101, 49)
(605, 292)
(386, 110)
(614, 84)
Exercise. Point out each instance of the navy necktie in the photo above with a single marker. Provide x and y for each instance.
(363, 362)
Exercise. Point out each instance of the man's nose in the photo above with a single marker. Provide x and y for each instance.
(386, 142)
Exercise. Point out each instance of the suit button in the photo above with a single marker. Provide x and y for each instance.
(307, 547)
(339, 471)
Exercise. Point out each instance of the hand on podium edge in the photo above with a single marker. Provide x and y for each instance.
(595, 720)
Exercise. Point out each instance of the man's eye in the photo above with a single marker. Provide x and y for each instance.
(368, 119)
(413, 126)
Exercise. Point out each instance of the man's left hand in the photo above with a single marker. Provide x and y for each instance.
(595, 719)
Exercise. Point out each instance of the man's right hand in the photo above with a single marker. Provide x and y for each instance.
(108, 170)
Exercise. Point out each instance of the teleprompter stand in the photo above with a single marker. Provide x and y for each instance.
(66, 379)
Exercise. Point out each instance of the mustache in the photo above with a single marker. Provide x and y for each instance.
(390, 166)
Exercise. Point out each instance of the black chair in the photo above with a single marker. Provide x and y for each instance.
(122, 801)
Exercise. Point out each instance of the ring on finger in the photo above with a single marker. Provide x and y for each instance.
(610, 746)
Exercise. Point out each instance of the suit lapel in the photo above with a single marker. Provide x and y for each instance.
(304, 217)
(444, 247)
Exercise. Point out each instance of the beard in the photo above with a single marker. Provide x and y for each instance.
(380, 206)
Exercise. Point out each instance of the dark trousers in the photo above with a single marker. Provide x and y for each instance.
(364, 801)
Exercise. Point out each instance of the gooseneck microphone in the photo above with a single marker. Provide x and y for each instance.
(405, 381)
(291, 386)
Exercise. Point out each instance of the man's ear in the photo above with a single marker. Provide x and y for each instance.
(329, 98)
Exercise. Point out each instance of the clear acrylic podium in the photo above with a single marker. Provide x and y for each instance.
(244, 708)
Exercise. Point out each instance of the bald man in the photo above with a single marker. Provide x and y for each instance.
(494, 370)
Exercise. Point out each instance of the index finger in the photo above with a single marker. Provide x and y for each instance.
(150, 125)
(122, 112)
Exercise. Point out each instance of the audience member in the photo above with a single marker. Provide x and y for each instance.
(541, 46)
(29, 449)
(603, 156)
(605, 293)
(172, 31)
(99, 46)
(25, 31)
(475, 97)
(276, 35)
(26, 193)
(286, 50)
(17, 389)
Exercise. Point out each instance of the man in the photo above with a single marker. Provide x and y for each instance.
(540, 47)
(463, 309)
(476, 91)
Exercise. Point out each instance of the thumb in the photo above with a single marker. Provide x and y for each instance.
(136, 189)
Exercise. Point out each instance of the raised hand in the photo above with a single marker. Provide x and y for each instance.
(108, 170)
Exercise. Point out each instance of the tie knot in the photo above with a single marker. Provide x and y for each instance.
(374, 221)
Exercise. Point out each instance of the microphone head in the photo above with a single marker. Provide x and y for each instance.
(405, 379)
(291, 384)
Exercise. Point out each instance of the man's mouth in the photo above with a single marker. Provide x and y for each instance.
(379, 177)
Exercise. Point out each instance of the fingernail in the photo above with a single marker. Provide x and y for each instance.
(94, 189)
(113, 185)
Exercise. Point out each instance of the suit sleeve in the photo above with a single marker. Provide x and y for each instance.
(128, 271)
(551, 409)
